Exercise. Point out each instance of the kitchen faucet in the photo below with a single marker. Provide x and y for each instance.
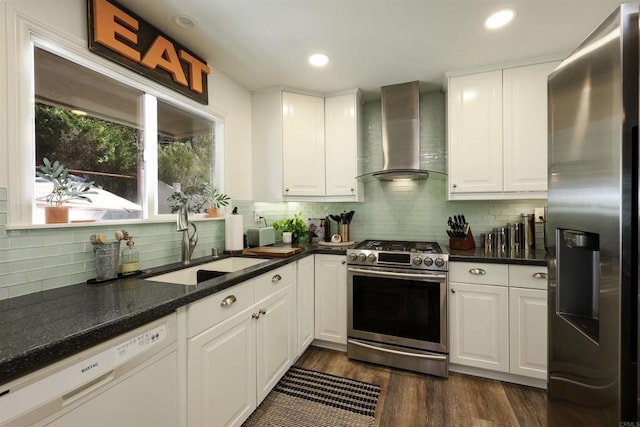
(188, 242)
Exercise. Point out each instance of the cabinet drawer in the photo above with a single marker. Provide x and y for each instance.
(274, 280)
(526, 276)
(208, 312)
(480, 273)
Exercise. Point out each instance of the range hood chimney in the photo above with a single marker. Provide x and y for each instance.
(400, 133)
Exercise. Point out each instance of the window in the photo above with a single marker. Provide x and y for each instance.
(93, 125)
(185, 154)
(89, 123)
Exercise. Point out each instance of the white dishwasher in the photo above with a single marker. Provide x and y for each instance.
(128, 381)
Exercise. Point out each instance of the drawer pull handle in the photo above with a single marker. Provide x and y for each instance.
(478, 271)
(539, 275)
(262, 311)
(231, 299)
(276, 278)
(255, 315)
(453, 291)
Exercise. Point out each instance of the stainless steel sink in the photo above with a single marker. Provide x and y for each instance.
(189, 275)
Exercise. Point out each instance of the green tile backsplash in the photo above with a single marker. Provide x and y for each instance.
(39, 259)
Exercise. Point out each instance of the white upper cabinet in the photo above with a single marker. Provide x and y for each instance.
(497, 127)
(342, 136)
(475, 133)
(525, 127)
(303, 159)
(305, 147)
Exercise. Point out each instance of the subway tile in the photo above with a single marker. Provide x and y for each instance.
(24, 289)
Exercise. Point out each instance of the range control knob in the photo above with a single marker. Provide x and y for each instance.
(428, 262)
(362, 257)
(353, 257)
(371, 258)
(439, 262)
(417, 260)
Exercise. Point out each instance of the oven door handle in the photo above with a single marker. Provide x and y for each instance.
(402, 353)
(393, 274)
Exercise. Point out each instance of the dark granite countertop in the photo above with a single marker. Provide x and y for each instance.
(535, 257)
(43, 327)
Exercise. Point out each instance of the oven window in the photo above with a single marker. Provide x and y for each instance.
(400, 308)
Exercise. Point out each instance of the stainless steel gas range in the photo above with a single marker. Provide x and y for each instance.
(397, 305)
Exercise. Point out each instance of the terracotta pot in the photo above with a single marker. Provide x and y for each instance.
(212, 213)
(56, 214)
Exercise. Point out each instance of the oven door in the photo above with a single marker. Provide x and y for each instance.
(398, 307)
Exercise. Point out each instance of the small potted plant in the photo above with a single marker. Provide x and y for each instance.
(211, 200)
(178, 199)
(296, 226)
(64, 189)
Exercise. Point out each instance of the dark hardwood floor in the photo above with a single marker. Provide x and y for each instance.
(412, 399)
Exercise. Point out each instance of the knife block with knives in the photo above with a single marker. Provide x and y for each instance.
(459, 232)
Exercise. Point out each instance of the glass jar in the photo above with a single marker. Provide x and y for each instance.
(130, 258)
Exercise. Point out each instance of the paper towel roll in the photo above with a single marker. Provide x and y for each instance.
(233, 239)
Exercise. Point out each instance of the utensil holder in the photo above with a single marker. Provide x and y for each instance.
(343, 230)
(463, 244)
(107, 261)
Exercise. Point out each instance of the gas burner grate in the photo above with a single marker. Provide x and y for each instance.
(400, 246)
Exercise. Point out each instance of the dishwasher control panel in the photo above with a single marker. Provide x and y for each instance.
(139, 344)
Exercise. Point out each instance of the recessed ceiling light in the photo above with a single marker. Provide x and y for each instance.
(318, 59)
(184, 21)
(500, 18)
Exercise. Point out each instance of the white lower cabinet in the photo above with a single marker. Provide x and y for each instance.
(306, 302)
(528, 334)
(479, 326)
(498, 318)
(331, 298)
(222, 373)
(275, 333)
(233, 364)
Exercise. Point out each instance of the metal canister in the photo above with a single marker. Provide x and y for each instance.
(504, 238)
(517, 236)
(526, 231)
(512, 236)
(489, 241)
(497, 239)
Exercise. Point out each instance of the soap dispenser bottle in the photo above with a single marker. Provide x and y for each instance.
(130, 258)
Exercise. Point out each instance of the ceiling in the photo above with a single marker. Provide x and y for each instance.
(265, 43)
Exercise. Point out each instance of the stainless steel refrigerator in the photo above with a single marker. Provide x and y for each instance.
(593, 215)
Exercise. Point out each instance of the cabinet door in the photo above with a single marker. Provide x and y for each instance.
(341, 144)
(475, 133)
(528, 332)
(306, 302)
(222, 373)
(525, 127)
(479, 326)
(331, 298)
(303, 145)
(275, 337)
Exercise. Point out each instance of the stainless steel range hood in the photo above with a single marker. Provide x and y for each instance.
(400, 134)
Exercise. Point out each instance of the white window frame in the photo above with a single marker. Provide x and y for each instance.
(21, 126)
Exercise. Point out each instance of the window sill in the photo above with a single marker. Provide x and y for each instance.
(156, 220)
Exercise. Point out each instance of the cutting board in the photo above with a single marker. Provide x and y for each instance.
(273, 251)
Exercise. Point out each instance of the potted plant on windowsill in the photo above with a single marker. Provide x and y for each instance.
(296, 226)
(211, 200)
(64, 189)
(204, 199)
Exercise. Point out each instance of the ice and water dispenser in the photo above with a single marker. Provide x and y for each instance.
(578, 280)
